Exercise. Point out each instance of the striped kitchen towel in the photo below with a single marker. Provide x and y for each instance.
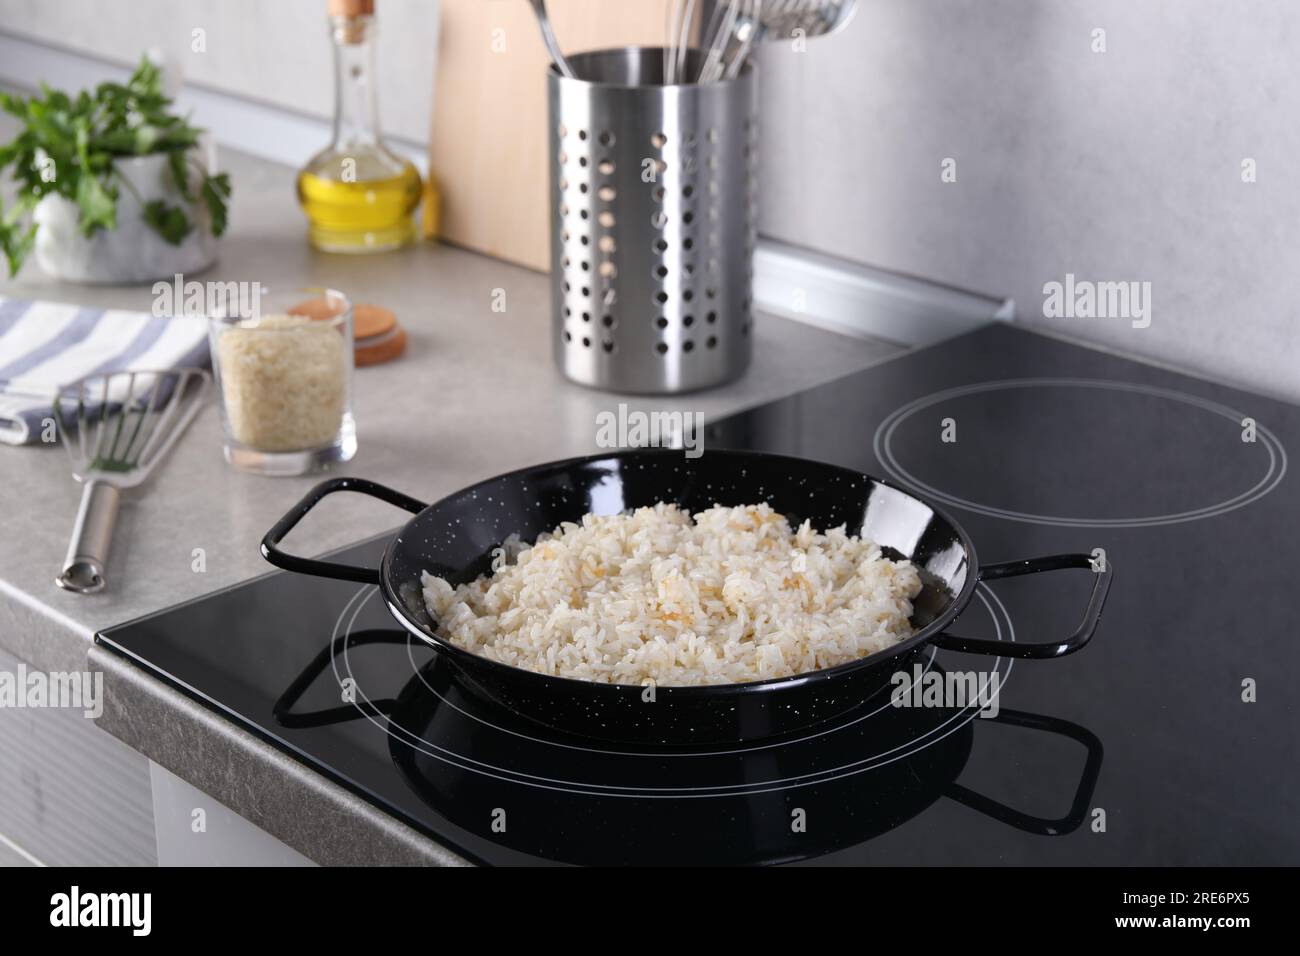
(45, 345)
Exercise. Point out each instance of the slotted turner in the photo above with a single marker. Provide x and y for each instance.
(116, 428)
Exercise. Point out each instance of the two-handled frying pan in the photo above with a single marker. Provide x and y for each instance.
(454, 538)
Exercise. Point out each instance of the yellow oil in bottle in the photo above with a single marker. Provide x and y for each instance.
(359, 204)
(358, 195)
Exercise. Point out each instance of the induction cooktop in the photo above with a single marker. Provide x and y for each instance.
(1169, 740)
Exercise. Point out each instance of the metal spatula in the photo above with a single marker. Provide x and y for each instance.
(116, 427)
(750, 22)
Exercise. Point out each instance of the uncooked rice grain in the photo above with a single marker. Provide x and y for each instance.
(284, 382)
(653, 596)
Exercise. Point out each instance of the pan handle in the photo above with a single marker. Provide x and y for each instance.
(1043, 649)
(330, 569)
(1082, 794)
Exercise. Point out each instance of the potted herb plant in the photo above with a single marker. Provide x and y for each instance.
(110, 186)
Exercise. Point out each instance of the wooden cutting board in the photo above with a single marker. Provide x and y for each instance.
(487, 148)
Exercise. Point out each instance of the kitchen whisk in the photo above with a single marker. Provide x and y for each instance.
(116, 427)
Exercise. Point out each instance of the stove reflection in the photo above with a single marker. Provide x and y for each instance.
(572, 800)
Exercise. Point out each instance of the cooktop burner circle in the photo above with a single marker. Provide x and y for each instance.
(549, 751)
(1263, 480)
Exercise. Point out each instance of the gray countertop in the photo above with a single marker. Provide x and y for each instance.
(476, 394)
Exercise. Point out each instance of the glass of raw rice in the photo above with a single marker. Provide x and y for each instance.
(283, 364)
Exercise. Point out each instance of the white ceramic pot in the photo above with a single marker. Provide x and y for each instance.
(133, 252)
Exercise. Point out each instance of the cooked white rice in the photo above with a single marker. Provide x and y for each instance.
(654, 597)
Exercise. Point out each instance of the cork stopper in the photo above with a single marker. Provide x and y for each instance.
(351, 8)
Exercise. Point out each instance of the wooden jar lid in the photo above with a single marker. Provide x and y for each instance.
(381, 348)
(376, 335)
(379, 337)
(371, 320)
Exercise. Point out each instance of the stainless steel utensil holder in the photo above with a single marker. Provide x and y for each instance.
(653, 221)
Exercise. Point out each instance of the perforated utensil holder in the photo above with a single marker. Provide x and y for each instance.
(653, 223)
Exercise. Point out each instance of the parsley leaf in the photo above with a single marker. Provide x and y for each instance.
(98, 205)
(17, 242)
(215, 191)
(170, 221)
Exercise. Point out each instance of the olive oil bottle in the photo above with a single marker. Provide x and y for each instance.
(358, 194)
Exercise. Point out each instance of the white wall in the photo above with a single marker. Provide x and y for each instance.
(273, 51)
(1116, 165)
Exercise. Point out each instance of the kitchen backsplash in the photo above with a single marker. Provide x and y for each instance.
(1122, 170)
(284, 61)
(1167, 159)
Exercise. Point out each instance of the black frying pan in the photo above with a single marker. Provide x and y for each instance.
(454, 538)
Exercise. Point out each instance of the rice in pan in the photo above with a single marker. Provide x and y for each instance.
(655, 596)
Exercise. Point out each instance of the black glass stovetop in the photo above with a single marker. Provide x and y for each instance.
(1171, 739)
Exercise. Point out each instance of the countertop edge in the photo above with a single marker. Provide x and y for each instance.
(38, 634)
(310, 813)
